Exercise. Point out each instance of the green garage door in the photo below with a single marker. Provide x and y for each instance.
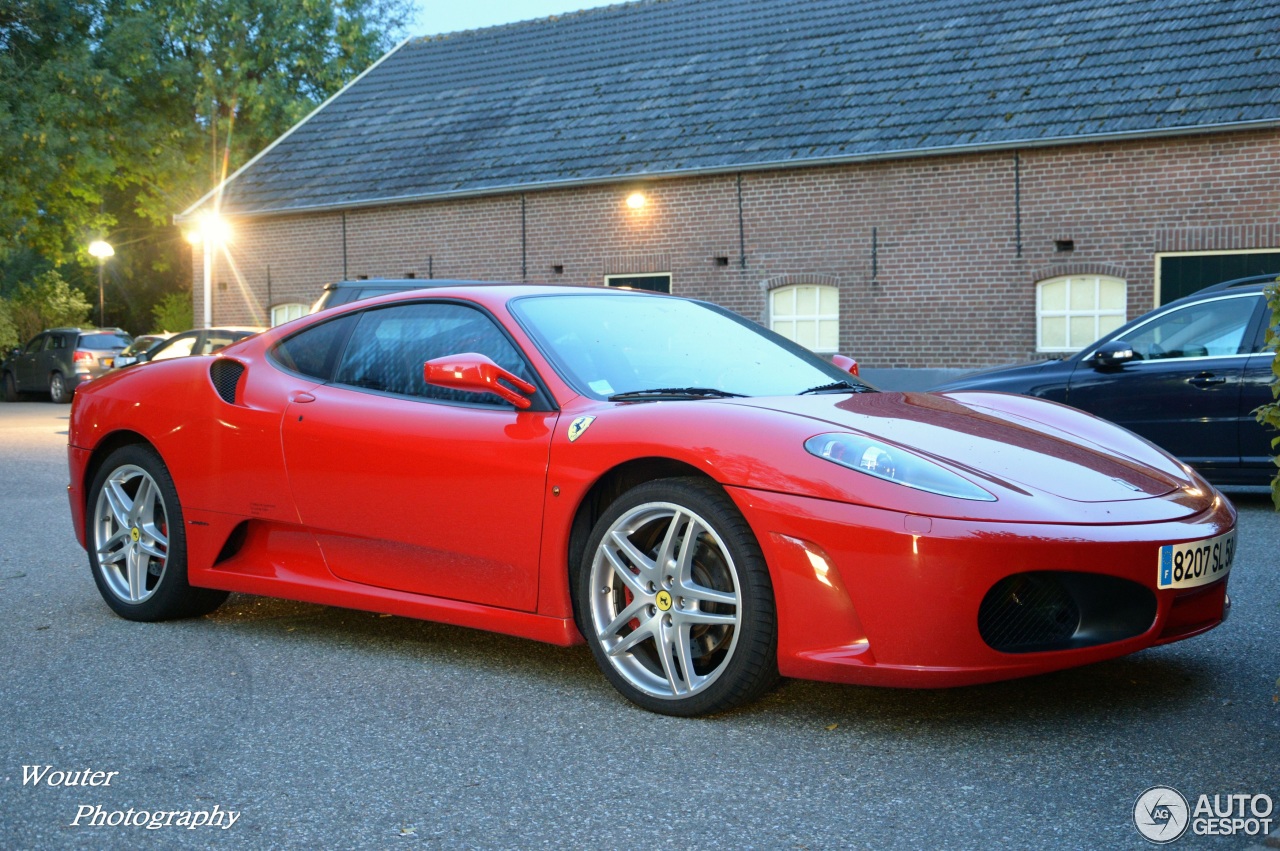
(1183, 275)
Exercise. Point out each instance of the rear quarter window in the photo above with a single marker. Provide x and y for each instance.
(314, 351)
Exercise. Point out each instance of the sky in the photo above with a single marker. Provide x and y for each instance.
(443, 16)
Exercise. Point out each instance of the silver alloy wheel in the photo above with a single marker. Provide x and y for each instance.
(131, 534)
(666, 602)
(57, 387)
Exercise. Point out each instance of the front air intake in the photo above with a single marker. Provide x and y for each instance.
(1060, 610)
(225, 374)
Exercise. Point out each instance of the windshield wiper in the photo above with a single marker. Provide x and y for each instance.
(836, 386)
(674, 393)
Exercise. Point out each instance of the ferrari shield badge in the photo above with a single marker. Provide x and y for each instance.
(579, 426)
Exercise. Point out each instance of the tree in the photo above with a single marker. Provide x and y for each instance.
(173, 312)
(115, 114)
(48, 303)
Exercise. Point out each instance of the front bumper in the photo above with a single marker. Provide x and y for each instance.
(879, 597)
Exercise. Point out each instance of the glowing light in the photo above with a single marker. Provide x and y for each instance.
(211, 228)
(101, 250)
(636, 200)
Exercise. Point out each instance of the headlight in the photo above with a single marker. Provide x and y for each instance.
(893, 464)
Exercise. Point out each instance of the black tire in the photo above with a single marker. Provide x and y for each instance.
(138, 524)
(59, 392)
(11, 393)
(701, 635)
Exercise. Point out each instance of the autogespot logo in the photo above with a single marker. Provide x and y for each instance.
(1160, 814)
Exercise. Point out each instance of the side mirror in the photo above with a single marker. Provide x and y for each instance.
(476, 373)
(848, 364)
(1112, 354)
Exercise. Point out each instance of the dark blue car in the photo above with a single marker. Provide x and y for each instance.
(1186, 376)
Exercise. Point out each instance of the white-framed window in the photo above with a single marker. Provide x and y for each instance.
(809, 314)
(1073, 311)
(282, 313)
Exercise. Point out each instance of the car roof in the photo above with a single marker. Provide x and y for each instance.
(1250, 282)
(402, 283)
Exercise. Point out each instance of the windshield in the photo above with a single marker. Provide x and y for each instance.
(103, 341)
(610, 344)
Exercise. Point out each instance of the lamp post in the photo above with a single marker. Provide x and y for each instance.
(211, 231)
(101, 250)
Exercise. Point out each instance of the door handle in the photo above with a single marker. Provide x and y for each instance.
(1206, 379)
(301, 397)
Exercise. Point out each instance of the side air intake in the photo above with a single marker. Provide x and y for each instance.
(226, 378)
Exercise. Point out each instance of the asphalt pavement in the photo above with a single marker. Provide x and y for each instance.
(326, 728)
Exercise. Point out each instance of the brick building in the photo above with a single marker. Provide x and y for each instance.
(945, 184)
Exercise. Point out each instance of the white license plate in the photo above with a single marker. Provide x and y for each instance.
(1196, 562)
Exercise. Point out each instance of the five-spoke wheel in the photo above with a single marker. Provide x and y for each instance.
(137, 547)
(675, 600)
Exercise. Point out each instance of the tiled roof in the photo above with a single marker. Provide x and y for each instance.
(665, 86)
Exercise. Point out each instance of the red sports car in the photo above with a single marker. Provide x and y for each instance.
(706, 503)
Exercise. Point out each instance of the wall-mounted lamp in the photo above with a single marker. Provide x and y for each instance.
(636, 200)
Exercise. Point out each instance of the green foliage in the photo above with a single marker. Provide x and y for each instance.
(173, 313)
(116, 114)
(49, 302)
(8, 331)
(1269, 414)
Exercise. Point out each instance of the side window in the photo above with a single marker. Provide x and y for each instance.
(35, 345)
(314, 352)
(54, 341)
(1072, 312)
(181, 347)
(1209, 329)
(807, 314)
(389, 346)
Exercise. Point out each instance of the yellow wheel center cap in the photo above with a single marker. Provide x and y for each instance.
(663, 600)
(135, 535)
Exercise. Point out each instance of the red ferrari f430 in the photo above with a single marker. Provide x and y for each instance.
(707, 504)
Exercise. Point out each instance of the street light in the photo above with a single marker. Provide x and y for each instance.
(211, 230)
(101, 250)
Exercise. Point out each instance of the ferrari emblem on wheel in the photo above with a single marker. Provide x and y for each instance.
(663, 600)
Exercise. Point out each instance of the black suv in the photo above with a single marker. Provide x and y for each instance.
(58, 360)
(347, 291)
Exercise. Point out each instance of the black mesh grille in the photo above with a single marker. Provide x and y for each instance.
(1028, 612)
(226, 375)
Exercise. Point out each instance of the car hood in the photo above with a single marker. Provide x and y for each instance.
(1004, 442)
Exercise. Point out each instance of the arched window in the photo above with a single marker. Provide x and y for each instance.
(808, 314)
(1074, 310)
(282, 313)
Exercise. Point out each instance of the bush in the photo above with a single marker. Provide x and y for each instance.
(48, 302)
(173, 313)
(8, 331)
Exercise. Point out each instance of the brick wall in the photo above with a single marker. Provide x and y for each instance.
(936, 259)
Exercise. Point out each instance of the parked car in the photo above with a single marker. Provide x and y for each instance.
(708, 504)
(1187, 376)
(141, 343)
(201, 341)
(59, 360)
(345, 292)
